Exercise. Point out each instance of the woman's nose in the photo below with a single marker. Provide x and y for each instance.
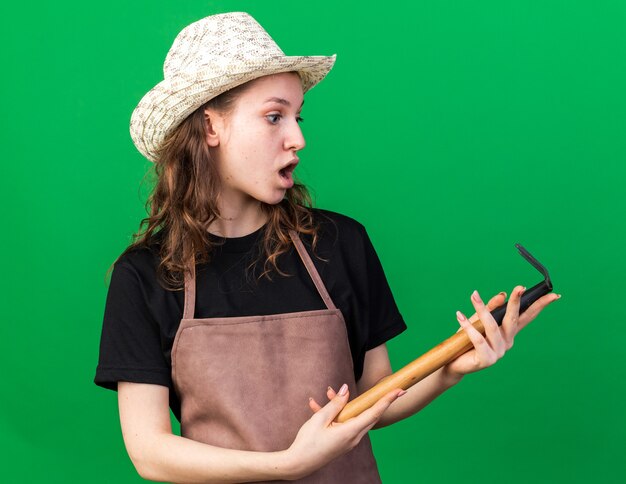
(294, 139)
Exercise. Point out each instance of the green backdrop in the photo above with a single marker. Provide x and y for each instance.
(450, 129)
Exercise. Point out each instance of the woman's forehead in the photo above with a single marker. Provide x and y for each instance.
(284, 88)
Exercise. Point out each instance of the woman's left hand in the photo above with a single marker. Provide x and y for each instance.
(498, 339)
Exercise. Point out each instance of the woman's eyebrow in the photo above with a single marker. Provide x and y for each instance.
(282, 101)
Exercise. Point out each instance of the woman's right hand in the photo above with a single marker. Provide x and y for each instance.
(321, 439)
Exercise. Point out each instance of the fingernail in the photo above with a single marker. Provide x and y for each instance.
(522, 290)
(329, 389)
(403, 392)
(558, 296)
(343, 390)
(460, 316)
(476, 297)
(502, 294)
(310, 399)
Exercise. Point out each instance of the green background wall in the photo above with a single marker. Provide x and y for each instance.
(450, 129)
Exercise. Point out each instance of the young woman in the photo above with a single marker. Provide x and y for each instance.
(242, 308)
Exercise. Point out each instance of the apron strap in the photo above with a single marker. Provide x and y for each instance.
(190, 280)
(190, 292)
(310, 267)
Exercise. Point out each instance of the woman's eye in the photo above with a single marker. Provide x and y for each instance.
(274, 118)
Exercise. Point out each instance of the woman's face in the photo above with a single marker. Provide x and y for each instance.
(255, 145)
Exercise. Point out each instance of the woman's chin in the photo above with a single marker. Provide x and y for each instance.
(275, 198)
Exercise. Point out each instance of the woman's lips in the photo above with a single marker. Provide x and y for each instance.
(286, 175)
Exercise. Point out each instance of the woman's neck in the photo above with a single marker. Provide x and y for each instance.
(238, 221)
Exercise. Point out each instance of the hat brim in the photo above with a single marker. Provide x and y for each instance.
(166, 105)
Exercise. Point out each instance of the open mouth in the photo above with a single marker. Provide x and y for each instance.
(287, 171)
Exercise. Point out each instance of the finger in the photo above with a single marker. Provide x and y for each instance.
(377, 413)
(313, 405)
(511, 317)
(316, 407)
(368, 418)
(493, 334)
(495, 302)
(329, 411)
(535, 308)
(483, 350)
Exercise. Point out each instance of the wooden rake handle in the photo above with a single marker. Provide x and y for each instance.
(412, 373)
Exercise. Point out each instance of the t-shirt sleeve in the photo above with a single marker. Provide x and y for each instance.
(386, 321)
(130, 345)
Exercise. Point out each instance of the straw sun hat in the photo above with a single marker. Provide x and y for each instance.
(209, 57)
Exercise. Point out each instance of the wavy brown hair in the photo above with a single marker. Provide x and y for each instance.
(183, 203)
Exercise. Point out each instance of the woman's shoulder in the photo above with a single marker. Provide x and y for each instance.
(339, 220)
(339, 227)
(142, 259)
